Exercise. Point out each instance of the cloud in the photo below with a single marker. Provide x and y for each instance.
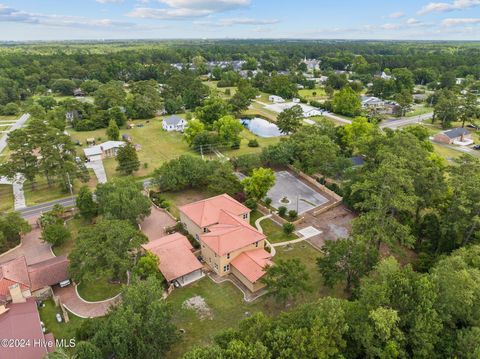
(396, 15)
(390, 26)
(178, 9)
(238, 21)
(460, 21)
(8, 14)
(447, 7)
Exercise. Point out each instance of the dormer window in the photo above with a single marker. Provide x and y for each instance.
(228, 255)
(205, 230)
(245, 216)
(256, 244)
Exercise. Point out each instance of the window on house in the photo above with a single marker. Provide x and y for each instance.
(228, 255)
(245, 216)
(256, 244)
(216, 266)
(205, 230)
(226, 268)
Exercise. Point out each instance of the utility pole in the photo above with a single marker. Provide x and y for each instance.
(70, 184)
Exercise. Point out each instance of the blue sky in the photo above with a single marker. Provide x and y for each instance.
(309, 19)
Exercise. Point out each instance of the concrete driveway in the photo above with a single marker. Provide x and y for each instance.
(18, 124)
(31, 246)
(97, 167)
(154, 225)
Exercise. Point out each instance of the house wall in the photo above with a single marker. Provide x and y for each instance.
(440, 137)
(218, 262)
(253, 287)
(190, 226)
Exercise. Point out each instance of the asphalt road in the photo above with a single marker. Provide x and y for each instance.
(38, 209)
(395, 123)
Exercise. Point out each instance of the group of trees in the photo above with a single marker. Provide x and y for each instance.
(12, 226)
(397, 313)
(43, 148)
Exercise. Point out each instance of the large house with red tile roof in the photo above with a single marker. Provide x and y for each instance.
(229, 244)
(176, 259)
(19, 281)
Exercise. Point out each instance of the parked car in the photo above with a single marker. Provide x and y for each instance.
(476, 147)
(471, 125)
(58, 317)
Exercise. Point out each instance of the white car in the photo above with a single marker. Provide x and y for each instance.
(59, 318)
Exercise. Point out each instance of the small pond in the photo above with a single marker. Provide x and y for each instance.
(261, 127)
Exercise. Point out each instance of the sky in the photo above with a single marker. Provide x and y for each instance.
(22, 20)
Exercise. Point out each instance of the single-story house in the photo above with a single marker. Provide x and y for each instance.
(176, 259)
(19, 281)
(174, 123)
(21, 321)
(228, 243)
(275, 99)
(372, 102)
(459, 136)
(104, 150)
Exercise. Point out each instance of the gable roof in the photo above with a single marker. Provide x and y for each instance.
(48, 272)
(252, 263)
(175, 256)
(13, 272)
(173, 120)
(456, 132)
(230, 234)
(207, 212)
(105, 146)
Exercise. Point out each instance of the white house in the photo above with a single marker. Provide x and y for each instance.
(275, 99)
(312, 112)
(385, 76)
(103, 150)
(174, 123)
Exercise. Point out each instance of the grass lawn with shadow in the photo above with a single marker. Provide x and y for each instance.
(98, 289)
(60, 330)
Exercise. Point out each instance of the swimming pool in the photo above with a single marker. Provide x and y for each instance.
(261, 127)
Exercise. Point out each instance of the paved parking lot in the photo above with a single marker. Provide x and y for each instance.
(300, 197)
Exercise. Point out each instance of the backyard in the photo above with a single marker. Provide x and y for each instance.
(60, 330)
(224, 306)
(271, 229)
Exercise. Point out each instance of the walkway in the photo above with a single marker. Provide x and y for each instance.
(18, 124)
(97, 167)
(81, 308)
(19, 201)
(31, 246)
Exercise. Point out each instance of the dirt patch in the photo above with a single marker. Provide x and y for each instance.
(198, 304)
(334, 224)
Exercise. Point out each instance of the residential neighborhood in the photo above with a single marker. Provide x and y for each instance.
(230, 179)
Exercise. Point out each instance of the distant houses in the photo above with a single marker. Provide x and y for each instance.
(174, 123)
(275, 99)
(378, 105)
(312, 64)
(458, 136)
(104, 150)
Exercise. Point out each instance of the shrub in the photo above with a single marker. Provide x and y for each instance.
(268, 201)
(251, 203)
(292, 214)
(235, 144)
(228, 92)
(282, 211)
(55, 234)
(253, 143)
(288, 228)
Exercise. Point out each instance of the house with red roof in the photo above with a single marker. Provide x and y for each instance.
(229, 244)
(176, 259)
(20, 324)
(19, 281)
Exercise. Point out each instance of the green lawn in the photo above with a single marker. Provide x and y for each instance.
(227, 306)
(308, 94)
(60, 330)
(213, 85)
(419, 110)
(98, 289)
(274, 232)
(246, 136)
(158, 146)
(6, 197)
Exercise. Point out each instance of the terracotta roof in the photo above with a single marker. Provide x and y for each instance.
(175, 256)
(12, 272)
(252, 263)
(230, 234)
(49, 272)
(206, 212)
(22, 321)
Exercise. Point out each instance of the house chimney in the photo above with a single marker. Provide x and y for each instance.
(16, 293)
